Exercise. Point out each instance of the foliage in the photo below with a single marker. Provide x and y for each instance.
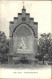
(4, 46)
(45, 45)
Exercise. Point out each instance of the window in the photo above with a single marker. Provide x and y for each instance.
(23, 19)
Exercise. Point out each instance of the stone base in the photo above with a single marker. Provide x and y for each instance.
(24, 59)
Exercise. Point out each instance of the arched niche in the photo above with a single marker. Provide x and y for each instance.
(26, 26)
(25, 32)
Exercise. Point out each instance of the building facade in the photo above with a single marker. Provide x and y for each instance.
(23, 38)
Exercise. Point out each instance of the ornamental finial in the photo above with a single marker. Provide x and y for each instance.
(23, 6)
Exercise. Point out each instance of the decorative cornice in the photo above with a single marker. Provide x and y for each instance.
(27, 14)
(19, 13)
(31, 18)
(35, 22)
(15, 17)
(11, 22)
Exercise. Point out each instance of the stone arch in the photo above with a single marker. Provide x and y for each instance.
(32, 30)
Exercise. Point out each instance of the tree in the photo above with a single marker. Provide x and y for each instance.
(4, 46)
(50, 50)
(44, 45)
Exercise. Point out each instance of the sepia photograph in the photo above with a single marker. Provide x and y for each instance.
(25, 39)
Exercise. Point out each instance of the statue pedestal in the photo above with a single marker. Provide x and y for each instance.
(23, 58)
(23, 51)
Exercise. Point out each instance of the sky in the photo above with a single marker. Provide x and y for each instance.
(39, 10)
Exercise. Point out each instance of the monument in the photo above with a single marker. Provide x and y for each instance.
(23, 38)
(22, 47)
